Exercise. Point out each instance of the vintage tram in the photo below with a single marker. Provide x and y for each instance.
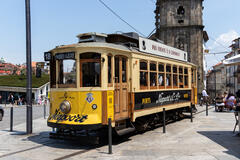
(124, 77)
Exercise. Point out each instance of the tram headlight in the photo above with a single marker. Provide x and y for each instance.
(65, 106)
(94, 106)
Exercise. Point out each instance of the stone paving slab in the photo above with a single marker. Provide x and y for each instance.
(207, 138)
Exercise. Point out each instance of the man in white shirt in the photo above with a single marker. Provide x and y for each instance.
(205, 96)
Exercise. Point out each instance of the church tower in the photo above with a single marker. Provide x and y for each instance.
(179, 24)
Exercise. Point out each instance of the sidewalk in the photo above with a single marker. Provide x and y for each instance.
(10, 105)
(207, 138)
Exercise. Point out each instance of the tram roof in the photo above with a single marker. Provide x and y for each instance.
(128, 42)
(113, 46)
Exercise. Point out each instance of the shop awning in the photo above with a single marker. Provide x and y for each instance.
(232, 60)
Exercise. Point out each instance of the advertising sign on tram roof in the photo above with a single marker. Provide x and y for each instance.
(156, 48)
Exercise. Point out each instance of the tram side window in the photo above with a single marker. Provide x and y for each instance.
(161, 77)
(193, 76)
(124, 70)
(90, 69)
(180, 77)
(168, 76)
(175, 77)
(117, 76)
(67, 73)
(186, 77)
(143, 75)
(153, 75)
(109, 69)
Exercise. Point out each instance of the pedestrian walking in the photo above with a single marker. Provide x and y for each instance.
(204, 96)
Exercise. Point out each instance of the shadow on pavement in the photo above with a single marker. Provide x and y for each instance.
(44, 139)
(226, 139)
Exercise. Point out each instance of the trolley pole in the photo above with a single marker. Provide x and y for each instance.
(29, 67)
(11, 119)
(109, 136)
(164, 121)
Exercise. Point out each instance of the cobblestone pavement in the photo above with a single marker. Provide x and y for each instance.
(207, 138)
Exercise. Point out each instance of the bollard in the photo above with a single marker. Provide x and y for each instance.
(109, 136)
(191, 113)
(11, 119)
(164, 121)
(44, 111)
(206, 109)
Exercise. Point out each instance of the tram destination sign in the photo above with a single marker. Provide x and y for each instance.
(156, 48)
(65, 55)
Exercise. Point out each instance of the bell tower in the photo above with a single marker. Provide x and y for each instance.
(179, 24)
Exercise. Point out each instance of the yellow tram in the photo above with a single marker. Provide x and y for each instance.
(124, 77)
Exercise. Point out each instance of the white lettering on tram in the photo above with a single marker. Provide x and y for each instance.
(169, 98)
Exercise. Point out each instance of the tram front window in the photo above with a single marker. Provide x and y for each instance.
(67, 73)
(90, 66)
(91, 74)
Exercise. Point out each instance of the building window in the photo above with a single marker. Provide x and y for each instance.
(180, 10)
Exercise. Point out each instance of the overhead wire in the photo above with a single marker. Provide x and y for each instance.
(121, 18)
(219, 43)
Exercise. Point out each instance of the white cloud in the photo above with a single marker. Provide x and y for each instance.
(224, 41)
(220, 44)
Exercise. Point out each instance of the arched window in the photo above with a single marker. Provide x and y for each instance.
(180, 10)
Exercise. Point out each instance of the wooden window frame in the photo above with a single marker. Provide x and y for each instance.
(175, 74)
(171, 76)
(89, 60)
(164, 75)
(147, 79)
(150, 71)
(180, 74)
(186, 75)
(59, 85)
(110, 84)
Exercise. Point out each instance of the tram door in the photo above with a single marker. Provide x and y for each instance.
(121, 88)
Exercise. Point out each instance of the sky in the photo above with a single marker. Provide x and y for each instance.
(57, 22)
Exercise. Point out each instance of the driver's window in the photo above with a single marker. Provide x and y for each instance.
(90, 70)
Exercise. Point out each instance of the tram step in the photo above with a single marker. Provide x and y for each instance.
(125, 131)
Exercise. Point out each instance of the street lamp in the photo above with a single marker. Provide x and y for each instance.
(29, 67)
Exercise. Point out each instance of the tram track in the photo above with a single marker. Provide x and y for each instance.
(203, 110)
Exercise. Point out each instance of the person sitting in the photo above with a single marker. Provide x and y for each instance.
(219, 102)
(230, 101)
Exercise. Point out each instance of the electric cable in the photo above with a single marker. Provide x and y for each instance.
(120, 18)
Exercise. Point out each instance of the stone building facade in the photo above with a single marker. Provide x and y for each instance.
(179, 24)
